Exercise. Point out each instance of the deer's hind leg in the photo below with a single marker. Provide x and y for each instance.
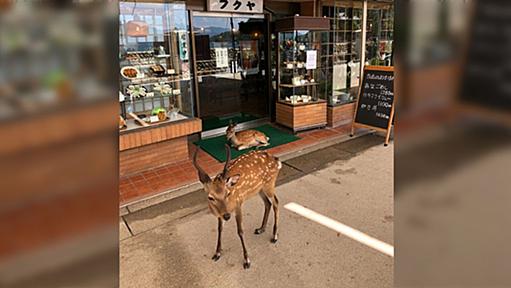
(276, 214)
(269, 192)
(263, 141)
(267, 206)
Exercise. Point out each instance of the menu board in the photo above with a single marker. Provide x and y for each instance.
(376, 99)
(486, 80)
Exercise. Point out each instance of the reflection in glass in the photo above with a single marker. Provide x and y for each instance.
(154, 59)
(301, 67)
(230, 53)
(343, 62)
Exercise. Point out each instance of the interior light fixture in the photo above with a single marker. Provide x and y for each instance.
(137, 28)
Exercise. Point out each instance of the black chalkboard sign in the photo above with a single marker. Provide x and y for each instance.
(375, 104)
(486, 77)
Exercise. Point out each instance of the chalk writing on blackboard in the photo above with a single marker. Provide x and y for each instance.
(376, 99)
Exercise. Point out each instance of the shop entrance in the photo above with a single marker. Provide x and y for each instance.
(231, 62)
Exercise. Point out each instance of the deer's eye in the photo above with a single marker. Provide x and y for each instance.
(211, 198)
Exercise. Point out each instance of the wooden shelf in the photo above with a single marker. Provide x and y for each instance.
(295, 86)
(312, 102)
(152, 79)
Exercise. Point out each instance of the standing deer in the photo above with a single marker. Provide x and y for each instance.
(246, 138)
(250, 174)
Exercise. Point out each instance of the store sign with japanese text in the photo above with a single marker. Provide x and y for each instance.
(236, 6)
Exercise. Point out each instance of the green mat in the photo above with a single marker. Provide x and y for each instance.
(218, 122)
(216, 146)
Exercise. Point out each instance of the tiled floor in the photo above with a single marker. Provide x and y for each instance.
(152, 182)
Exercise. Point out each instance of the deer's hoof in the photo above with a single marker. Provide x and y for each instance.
(274, 240)
(259, 231)
(216, 257)
(246, 265)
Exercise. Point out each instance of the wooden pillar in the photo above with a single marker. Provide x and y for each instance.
(364, 31)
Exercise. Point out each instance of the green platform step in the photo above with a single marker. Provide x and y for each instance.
(216, 146)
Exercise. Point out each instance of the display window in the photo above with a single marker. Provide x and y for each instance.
(155, 70)
(300, 60)
(345, 49)
(344, 61)
(380, 35)
(300, 72)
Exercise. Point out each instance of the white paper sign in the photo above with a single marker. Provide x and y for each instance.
(339, 77)
(355, 73)
(221, 57)
(311, 59)
(237, 6)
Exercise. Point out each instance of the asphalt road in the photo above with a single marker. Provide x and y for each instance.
(351, 183)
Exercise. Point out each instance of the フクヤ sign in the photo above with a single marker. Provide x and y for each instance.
(236, 6)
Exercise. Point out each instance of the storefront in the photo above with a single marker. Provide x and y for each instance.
(191, 68)
(361, 32)
(157, 85)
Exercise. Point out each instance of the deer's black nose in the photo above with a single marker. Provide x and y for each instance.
(227, 216)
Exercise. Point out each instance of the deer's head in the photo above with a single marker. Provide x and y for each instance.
(231, 130)
(219, 189)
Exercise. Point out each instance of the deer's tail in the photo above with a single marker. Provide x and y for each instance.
(279, 164)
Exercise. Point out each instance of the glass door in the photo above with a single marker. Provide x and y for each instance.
(231, 69)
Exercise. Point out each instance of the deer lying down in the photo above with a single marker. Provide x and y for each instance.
(250, 174)
(246, 138)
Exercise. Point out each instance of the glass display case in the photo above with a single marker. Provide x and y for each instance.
(299, 53)
(300, 72)
(155, 76)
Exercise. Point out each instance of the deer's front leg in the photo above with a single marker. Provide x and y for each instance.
(219, 241)
(239, 219)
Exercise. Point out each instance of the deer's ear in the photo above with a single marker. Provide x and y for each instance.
(203, 177)
(231, 181)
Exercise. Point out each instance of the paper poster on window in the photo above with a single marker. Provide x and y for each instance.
(339, 77)
(311, 59)
(355, 73)
(222, 58)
